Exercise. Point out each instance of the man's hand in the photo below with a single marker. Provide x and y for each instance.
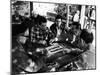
(22, 39)
(72, 42)
(74, 37)
(53, 40)
(76, 49)
(42, 42)
(66, 50)
(56, 39)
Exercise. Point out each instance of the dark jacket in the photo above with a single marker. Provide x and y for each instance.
(53, 29)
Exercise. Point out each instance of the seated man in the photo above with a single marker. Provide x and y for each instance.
(76, 30)
(88, 57)
(73, 34)
(86, 37)
(39, 32)
(58, 27)
(81, 38)
(83, 52)
(38, 39)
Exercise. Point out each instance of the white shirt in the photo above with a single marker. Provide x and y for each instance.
(76, 18)
(58, 32)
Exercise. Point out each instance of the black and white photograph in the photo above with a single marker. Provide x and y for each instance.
(52, 37)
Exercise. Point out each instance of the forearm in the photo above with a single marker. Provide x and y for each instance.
(74, 37)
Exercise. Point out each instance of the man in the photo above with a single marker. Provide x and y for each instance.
(39, 32)
(76, 17)
(38, 36)
(88, 57)
(86, 37)
(84, 43)
(76, 31)
(57, 28)
(38, 39)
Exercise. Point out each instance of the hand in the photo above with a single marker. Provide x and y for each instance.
(66, 39)
(53, 40)
(72, 42)
(66, 50)
(76, 49)
(22, 39)
(42, 42)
